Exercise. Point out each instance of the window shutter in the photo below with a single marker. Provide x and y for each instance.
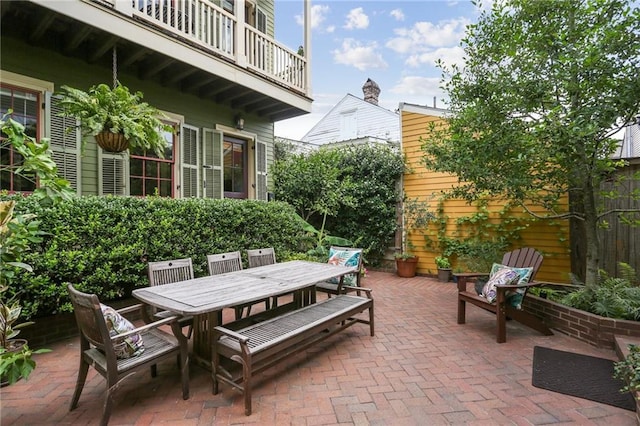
(261, 171)
(113, 177)
(212, 183)
(64, 140)
(190, 162)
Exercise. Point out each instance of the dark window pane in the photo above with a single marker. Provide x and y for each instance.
(150, 187)
(238, 184)
(165, 188)
(165, 170)
(151, 169)
(136, 186)
(135, 167)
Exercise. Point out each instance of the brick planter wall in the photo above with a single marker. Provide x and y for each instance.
(593, 329)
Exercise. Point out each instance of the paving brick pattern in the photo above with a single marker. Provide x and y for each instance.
(421, 368)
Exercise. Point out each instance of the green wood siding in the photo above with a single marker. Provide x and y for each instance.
(23, 59)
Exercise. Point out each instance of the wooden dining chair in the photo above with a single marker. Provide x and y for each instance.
(171, 271)
(229, 262)
(261, 257)
(350, 280)
(99, 349)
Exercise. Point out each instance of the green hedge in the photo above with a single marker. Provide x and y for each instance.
(103, 244)
(374, 171)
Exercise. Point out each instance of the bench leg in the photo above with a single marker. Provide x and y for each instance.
(461, 311)
(501, 317)
(246, 385)
(371, 327)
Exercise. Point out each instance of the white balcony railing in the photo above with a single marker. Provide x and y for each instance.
(216, 30)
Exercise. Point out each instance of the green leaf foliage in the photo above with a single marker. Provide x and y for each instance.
(613, 297)
(544, 86)
(349, 192)
(102, 244)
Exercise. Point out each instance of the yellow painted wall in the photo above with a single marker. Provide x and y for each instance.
(424, 185)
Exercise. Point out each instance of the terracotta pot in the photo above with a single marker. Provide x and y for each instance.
(112, 142)
(406, 268)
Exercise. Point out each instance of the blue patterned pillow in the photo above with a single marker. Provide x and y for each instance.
(499, 278)
(116, 324)
(524, 275)
(344, 258)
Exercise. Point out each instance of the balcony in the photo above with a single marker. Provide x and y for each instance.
(193, 46)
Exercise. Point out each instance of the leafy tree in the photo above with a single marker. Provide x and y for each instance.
(544, 86)
(349, 191)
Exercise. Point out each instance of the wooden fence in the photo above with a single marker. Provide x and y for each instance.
(621, 242)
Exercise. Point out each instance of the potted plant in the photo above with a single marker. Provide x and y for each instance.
(17, 232)
(416, 216)
(117, 118)
(444, 268)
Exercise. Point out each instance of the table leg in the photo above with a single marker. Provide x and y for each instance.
(202, 337)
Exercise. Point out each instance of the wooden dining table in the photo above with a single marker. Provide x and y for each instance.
(204, 298)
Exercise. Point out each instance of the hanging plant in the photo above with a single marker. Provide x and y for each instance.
(117, 118)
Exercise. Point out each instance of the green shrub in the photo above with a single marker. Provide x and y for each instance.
(613, 297)
(103, 244)
(373, 172)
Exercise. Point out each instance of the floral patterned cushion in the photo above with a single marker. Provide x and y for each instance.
(524, 275)
(345, 258)
(116, 324)
(501, 277)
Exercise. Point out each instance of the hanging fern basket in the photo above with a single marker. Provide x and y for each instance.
(112, 142)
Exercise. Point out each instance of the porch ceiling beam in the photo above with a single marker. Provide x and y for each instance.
(154, 68)
(211, 92)
(132, 58)
(194, 84)
(232, 93)
(246, 99)
(174, 77)
(101, 50)
(273, 110)
(44, 23)
(76, 38)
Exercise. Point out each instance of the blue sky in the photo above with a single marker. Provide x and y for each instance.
(395, 43)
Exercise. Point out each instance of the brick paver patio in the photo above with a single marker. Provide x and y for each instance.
(421, 368)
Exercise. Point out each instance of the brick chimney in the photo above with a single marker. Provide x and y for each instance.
(371, 91)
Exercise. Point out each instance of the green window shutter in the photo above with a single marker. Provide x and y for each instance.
(212, 182)
(113, 174)
(261, 171)
(64, 140)
(190, 162)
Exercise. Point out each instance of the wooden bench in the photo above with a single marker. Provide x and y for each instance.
(264, 344)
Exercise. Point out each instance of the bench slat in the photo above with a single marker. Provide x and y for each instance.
(270, 332)
(261, 345)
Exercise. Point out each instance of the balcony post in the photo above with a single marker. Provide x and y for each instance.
(307, 46)
(240, 45)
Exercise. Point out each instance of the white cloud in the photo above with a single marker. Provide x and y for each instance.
(419, 90)
(448, 55)
(357, 20)
(397, 14)
(426, 35)
(357, 55)
(318, 15)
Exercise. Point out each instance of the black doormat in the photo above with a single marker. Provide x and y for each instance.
(579, 375)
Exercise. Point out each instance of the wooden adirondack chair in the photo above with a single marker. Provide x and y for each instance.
(521, 258)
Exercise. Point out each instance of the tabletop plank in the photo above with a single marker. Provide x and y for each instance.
(215, 292)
